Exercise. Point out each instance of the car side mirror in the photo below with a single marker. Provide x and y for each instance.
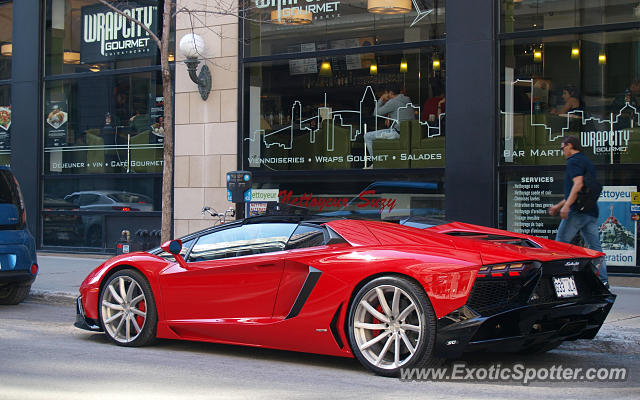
(172, 246)
(175, 247)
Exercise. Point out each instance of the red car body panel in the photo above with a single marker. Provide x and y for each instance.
(247, 300)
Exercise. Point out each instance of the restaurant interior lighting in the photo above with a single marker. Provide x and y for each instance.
(403, 65)
(325, 68)
(537, 55)
(71, 57)
(575, 51)
(291, 16)
(373, 68)
(6, 49)
(436, 62)
(389, 6)
(602, 57)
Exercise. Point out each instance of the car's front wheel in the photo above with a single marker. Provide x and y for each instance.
(391, 325)
(128, 310)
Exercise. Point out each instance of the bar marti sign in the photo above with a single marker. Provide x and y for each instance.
(108, 36)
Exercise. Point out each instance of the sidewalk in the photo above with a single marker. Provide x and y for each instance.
(60, 277)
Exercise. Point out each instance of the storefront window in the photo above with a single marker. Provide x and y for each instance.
(5, 125)
(528, 194)
(6, 46)
(109, 124)
(275, 27)
(315, 113)
(84, 35)
(388, 199)
(523, 15)
(85, 212)
(581, 85)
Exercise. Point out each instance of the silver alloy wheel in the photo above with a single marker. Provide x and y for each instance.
(387, 327)
(124, 309)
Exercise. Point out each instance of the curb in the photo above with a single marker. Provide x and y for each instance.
(45, 296)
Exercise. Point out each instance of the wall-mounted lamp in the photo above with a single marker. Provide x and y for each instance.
(192, 46)
(6, 49)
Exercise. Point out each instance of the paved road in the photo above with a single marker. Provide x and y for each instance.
(45, 357)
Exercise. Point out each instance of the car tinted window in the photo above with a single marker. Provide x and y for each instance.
(306, 236)
(88, 199)
(8, 194)
(241, 241)
(130, 198)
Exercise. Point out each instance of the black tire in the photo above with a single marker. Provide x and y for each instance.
(422, 321)
(13, 294)
(123, 330)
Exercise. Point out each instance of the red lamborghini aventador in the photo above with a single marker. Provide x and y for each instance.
(393, 296)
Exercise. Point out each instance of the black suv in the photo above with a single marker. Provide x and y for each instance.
(18, 264)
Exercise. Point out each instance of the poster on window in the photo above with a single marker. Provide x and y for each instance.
(618, 231)
(56, 118)
(5, 125)
(156, 117)
(107, 35)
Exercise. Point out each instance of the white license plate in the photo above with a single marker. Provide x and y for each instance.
(565, 287)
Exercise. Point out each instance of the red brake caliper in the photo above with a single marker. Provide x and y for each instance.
(377, 321)
(142, 307)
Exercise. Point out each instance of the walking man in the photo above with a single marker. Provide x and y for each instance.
(574, 220)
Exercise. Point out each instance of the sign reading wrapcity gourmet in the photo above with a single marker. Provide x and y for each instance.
(108, 36)
(299, 9)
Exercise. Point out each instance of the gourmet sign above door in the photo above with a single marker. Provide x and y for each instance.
(109, 36)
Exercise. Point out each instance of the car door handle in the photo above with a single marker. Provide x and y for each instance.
(266, 265)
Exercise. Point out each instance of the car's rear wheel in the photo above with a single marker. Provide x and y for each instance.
(128, 310)
(13, 293)
(391, 325)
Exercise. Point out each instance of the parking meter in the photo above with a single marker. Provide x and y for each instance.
(239, 186)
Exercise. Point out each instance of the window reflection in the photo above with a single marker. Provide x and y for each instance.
(331, 123)
(522, 15)
(582, 85)
(316, 26)
(242, 241)
(104, 125)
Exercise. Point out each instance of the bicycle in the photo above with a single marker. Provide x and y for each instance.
(222, 217)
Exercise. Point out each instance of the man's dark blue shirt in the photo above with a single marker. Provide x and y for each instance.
(578, 165)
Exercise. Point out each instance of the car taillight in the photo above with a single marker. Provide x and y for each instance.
(34, 269)
(507, 269)
(117, 208)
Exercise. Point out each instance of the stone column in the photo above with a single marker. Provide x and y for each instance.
(206, 134)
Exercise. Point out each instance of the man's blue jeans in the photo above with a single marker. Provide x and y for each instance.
(588, 228)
